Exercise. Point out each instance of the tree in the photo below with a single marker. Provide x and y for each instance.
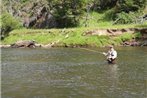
(66, 12)
(128, 11)
(131, 5)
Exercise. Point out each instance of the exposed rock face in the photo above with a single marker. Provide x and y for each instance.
(43, 19)
(25, 43)
(30, 44)
(34, 14)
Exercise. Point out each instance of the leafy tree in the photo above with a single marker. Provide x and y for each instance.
(127, 11)
(66, 12)
(131, 5)
(101, 5)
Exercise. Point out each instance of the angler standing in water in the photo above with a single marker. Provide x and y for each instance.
(111, 55)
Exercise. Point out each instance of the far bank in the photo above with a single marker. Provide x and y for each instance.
(76, 37)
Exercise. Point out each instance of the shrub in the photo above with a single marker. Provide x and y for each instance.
(109, 14)
(126, 36)
(137, 35)
(127, 18)
(8, 23)
(123, 18)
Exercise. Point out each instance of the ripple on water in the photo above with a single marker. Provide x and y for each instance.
(75, 73)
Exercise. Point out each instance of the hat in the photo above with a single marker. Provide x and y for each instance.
(110, 46)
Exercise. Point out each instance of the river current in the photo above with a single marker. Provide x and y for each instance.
(73, 73)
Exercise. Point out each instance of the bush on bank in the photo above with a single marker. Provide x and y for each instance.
(8, 23)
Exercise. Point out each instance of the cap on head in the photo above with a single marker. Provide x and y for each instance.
(110, 46)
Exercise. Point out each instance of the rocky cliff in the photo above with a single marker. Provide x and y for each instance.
(31, 13)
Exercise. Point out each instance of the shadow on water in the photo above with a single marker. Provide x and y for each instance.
(73, 73)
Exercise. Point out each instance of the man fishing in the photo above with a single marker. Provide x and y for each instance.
(111, 55)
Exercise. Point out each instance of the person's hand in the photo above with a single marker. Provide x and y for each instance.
(104, 53)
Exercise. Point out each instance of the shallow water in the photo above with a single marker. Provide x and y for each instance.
(73, 73)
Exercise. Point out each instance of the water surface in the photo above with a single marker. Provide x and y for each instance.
(73, 73)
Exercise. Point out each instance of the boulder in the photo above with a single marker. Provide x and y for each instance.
(25, 43)
(131, 43)
(5, 46)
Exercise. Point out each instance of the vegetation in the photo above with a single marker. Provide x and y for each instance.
(41, 17)
(9, 23)
(68, 13)
(67, 37)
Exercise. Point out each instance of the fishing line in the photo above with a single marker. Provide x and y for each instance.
(92, 50)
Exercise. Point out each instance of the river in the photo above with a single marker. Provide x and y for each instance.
(73, 73)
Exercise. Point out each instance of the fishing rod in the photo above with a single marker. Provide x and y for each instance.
(92, 50)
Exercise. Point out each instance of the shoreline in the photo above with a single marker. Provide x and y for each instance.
(52, 45)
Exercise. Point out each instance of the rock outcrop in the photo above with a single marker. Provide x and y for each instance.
(30, 44)
(34, 14)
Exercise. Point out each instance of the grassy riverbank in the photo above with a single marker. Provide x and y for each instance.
(70, 36)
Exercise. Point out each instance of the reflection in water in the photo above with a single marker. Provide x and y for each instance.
(113, 72)
(114, 78)
(72, 73)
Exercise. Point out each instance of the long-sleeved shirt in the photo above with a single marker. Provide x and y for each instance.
(111, 54)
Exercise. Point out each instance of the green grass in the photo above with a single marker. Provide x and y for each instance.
(101, 20)
(94, 20)
(66, 37)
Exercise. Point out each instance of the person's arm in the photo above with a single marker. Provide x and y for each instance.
(106, 54)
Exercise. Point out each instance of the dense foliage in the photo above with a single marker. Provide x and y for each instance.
(66, 12)
(8, 23)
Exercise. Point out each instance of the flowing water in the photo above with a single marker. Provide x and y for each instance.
(73, 73)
